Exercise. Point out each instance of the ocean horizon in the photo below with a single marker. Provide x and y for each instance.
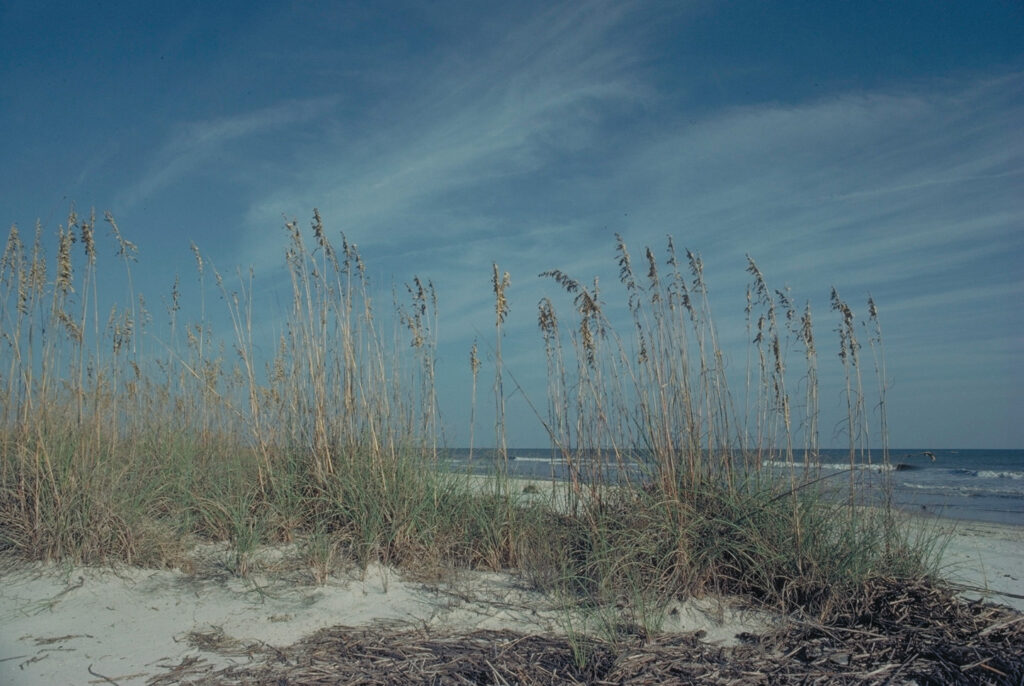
(985, 485)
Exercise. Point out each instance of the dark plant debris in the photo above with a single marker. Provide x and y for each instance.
(915, 633)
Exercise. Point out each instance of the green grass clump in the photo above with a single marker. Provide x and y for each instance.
(121, 443)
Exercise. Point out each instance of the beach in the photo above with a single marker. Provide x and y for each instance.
(969, 485)
(246, 513)
(86, 625)
(987, 558)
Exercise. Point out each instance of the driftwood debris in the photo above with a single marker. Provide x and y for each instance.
(919, 634)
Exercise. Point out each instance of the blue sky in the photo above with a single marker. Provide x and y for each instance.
(875, 147)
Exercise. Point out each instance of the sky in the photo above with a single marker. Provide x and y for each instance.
(873, 147)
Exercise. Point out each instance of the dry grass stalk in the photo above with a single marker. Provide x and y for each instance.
(119, 445)
(499, 285)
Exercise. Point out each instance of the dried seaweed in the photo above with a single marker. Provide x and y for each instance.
(921, 632)
(900, 633)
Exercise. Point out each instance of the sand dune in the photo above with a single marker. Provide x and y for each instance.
(65, 625)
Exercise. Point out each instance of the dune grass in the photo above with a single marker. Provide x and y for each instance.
(122, 443)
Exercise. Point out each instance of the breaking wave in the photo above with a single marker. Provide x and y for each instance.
(840, 466)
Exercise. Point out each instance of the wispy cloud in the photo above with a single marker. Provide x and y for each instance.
(447, 137)
(192, 144)
(536, 150)
(454, 143)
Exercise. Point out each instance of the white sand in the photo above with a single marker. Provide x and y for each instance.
(988, 558)
(77, 626)
(60, 625)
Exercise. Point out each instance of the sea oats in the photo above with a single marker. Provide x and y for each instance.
(311, 424)
(499, 287)
(88, 230)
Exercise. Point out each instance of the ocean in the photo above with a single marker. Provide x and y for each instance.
(976, 485)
